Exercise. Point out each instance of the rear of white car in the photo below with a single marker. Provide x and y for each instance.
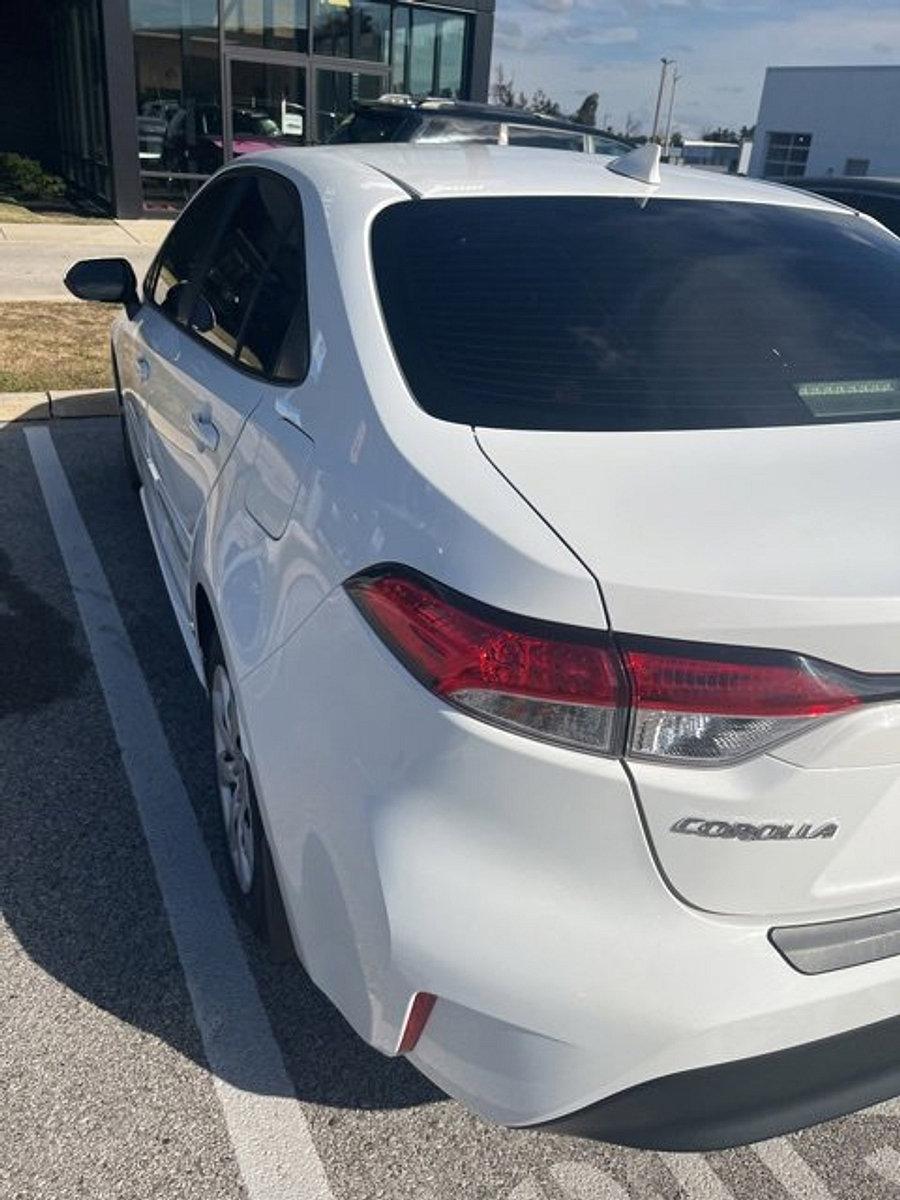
(571, 687)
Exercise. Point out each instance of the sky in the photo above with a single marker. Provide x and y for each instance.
(722, 49)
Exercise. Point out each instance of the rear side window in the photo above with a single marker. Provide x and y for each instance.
(245, 323)
(603, 314)
(183, 251)
(236, 262)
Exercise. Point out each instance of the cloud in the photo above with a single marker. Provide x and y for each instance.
(723, 49)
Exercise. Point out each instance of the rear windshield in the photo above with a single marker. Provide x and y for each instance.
(581, 313)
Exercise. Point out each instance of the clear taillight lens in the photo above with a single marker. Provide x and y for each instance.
(666, 701)
(722, 706)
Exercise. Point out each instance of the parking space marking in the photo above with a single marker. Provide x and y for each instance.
(886, 1163)
(696, 1177)
(581, 1181)
(268, 1131)
(791, 1170)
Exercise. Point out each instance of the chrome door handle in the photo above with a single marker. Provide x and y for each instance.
(143, 367)
(204, 431)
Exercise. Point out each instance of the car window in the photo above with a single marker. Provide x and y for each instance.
(183, 251)
(546, 139)
(885, 209)
(606, 313)
(253, 291)
(369, 125)
(458, 129)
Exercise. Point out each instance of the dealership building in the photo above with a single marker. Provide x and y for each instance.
(828, 121)
(135, 102)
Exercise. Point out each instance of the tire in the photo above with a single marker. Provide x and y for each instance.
(252, 870)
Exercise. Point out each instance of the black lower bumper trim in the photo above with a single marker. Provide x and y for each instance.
(714, 1108)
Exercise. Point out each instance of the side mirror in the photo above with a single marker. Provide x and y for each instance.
(108, 280)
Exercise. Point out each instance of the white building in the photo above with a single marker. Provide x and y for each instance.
(828, 121)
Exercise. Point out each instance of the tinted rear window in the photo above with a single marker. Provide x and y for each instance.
(580, 313)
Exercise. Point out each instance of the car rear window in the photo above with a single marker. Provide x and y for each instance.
(611, 314)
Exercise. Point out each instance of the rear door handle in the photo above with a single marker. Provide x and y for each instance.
(143, 367)
(205, 432)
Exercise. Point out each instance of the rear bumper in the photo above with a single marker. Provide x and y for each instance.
(733, 1103)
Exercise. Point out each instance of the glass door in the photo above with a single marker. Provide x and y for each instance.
(336, 90)
(266, 105)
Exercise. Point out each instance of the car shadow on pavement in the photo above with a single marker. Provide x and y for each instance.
(77, 885)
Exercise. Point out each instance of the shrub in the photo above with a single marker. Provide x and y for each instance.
(25, 179)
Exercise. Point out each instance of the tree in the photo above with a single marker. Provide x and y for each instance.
(541, 103)
(587, 113)
(677, 139)
(503, 90)
(722, 134)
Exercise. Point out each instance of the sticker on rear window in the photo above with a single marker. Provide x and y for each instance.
(851, 397)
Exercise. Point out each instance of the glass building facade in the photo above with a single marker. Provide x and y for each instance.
(154, 95)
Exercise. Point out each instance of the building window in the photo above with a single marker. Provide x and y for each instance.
(429, 52)
(269, 24)
(81, 97)
(176, 52)
(786, 155)
(345, 29)
(857, 166)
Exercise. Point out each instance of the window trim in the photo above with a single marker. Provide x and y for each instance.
(218, 180)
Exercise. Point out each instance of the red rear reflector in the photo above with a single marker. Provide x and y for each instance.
(419, 1012)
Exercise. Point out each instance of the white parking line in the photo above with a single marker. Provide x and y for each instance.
(270, 1136)
(791, 1170)
(696, 1177)
(886, 1163)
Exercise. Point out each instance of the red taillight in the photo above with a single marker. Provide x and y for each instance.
(680, 683)
(721, 706)
(639, 698)
(566, 690)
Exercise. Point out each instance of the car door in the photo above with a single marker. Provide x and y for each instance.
(207, 375)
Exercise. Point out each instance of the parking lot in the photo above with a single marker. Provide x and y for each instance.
(149, 1047)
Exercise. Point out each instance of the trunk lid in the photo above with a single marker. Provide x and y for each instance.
(782, 538)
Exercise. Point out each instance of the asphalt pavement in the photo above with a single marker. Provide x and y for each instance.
(115, 1077)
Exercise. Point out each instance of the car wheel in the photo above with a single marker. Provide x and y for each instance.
(250, 860)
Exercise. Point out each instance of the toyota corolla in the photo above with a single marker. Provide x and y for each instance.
(533, 521)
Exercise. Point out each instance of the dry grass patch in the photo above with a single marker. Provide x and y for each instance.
(17, 214)
(44, 346)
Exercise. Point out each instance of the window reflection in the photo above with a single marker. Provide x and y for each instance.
(353, 30)
(178, 88)
(274, 24)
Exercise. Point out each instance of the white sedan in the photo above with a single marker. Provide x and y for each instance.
(532, 520)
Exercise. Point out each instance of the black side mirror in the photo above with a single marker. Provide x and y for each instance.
(109, 280)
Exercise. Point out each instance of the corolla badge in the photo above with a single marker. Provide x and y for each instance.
(744, 831)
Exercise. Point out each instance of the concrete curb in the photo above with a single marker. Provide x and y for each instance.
(43, 406)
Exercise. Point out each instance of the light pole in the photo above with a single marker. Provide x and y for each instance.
(675, 78)
(659, 95)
